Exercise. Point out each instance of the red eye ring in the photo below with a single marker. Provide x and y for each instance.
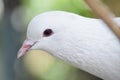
(47, 33)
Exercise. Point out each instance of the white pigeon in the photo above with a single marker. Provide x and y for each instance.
(86, 43)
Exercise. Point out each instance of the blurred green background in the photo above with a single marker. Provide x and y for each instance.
(37, 65)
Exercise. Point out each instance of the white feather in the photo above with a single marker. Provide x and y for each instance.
(86, 43)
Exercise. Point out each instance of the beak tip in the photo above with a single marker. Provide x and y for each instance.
(25, 48)
(19, 54)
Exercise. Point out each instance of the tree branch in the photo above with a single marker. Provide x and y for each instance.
(101, 11)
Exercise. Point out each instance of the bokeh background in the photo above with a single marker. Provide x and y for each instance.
(37, 65)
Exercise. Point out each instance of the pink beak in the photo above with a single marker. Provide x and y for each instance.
(25, 48)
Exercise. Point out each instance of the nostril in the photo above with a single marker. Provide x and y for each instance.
(26, 46)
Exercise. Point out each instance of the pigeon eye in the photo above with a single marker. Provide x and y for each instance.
(47, 33)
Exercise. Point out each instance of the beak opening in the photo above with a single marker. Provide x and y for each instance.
(25, 48)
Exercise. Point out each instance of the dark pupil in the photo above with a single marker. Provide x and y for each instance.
(47, 32)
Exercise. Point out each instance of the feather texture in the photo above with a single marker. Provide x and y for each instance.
(86, 43)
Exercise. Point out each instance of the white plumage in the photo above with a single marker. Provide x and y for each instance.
(86, 43)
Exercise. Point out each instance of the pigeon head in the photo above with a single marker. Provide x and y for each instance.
(44, 32)
(86, 43)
